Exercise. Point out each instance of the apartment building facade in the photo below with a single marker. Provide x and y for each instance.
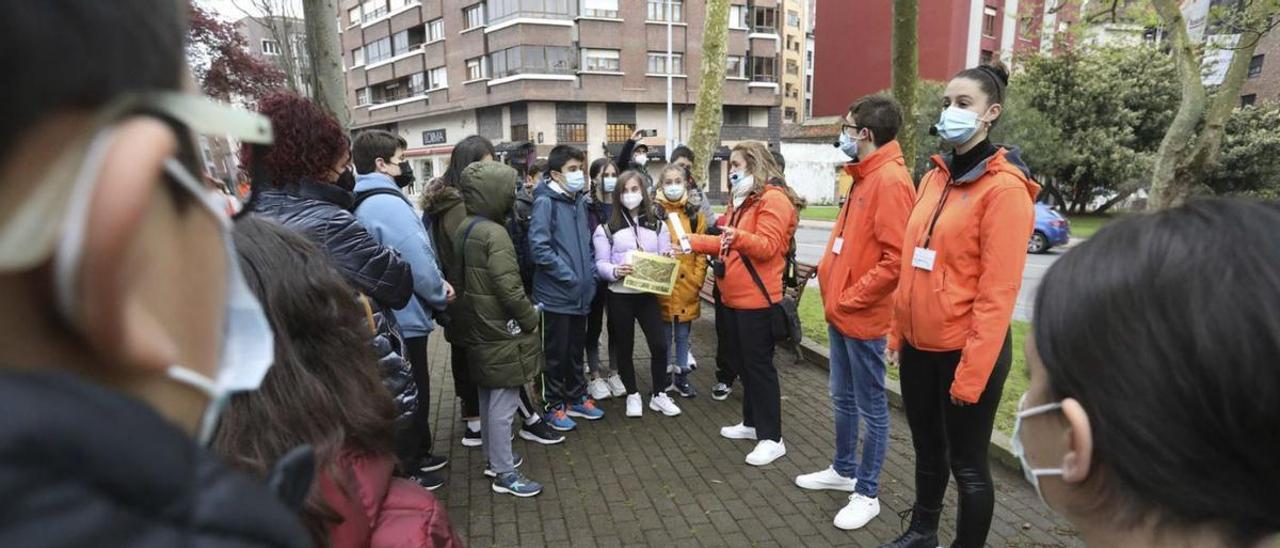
(581, 72)
(281, 41)
(853, 44)
(795, 21)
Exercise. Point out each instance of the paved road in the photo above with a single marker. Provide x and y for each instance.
(659, 481)
(811, 242)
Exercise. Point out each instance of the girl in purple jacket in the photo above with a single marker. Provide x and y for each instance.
(634, 226)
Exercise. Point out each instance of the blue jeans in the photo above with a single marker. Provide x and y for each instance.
(857, 391)
(680, 349)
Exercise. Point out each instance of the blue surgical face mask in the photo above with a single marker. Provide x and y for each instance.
(956, 125)
(610, 183)
(1015, 445)
(248, 346)
(575, 181)
(849, 146)
(673, 192)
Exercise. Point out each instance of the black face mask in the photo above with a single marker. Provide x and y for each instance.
(346, 180)
(405, 178)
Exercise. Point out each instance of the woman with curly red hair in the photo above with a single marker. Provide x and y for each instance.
(306, 165)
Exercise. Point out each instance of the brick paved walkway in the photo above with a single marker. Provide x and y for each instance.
(659, 481)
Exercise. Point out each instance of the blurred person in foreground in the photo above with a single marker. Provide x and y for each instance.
(1161, 428)
(126, 320)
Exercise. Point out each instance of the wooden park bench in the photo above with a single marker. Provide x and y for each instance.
(804, 272)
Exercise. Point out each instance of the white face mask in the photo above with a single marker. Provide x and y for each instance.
(742, 184)
(640, 159)
(248, 346)
(1015, 444)
(673, 192)
(610, 183)
(632, 200)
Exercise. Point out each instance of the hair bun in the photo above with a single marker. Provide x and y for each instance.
(998, 70)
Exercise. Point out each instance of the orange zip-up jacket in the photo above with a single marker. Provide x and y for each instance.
(857, 284)
(983, 222)
(765, 225)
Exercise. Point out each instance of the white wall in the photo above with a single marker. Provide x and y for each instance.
(811, 170)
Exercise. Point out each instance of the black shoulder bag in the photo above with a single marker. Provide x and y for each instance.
(785, 318)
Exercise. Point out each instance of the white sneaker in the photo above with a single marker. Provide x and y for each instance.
(615, 386)
(857, 513)
(693, 364)
(826, 479)
(766, 452)
(635, 405)
(662, 402)
(598, 389)
(739, 432)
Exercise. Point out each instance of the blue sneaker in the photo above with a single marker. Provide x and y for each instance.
(586, 409)
(559, 420)
(514, 483)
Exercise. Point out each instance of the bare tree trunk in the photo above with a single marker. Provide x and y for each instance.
(906, 61)
(1169, 185)
(704, 139)
(329, 86)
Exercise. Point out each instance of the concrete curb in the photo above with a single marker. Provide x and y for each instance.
(822, 225)
(1000, 451)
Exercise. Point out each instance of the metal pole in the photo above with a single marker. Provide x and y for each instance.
(670, 68)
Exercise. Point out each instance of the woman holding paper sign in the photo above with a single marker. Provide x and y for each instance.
(681, 307)
(633, 227)
(762, 219)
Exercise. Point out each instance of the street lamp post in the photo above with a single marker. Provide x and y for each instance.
(670, 142)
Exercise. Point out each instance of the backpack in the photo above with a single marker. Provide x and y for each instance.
(790, 274)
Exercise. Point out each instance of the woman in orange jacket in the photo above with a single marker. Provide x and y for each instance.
(762, 220)
(962, 259)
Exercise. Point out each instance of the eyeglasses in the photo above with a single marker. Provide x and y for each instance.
(851, 130)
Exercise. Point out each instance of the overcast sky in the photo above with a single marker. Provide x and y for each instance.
(228, 8)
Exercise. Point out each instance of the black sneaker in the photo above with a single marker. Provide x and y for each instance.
(431, 463)
(721, 391)
(539, 432)
(682, 386)
(489, 473)
(471, 438)
(428, 480)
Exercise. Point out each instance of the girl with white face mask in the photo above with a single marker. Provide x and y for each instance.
(634, 227)
(605, 382)
(965, 246)
(1162, 429)
(683, 305)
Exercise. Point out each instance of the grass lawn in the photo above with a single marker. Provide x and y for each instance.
(1084, 226)
(811, 213)
(814, 325)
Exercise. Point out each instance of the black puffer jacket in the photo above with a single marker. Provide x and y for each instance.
(84, 466)
(319, 213)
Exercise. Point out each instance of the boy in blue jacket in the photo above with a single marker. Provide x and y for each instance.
(385, 212)
(564, 284)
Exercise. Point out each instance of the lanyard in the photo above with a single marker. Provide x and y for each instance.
(844, 210)
(946, 191)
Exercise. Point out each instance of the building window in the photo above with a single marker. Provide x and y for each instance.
(417, 83)
(658, 63)
(505, 10)
(270, 47)
(438, 78)
(989, 22)
(737, 116)
(362, 97)
(373, 9)
(666, 10)
(790, 114)
(1024, 27)
(519, 132)
(600, 8)
(1248, 100)
(408, 39)
(765, 20)
(377, 50)
(793, 19)
(734, 67)
(475, 68)
(531, 60)
(435, 30)
(353, 16)
(474, 17)
(618, 133)
(764, 69)
(738, 17)
(986, 56)
(571, 133)
(601, 60)
(397, 4)
(1255, 65)
(357, 56)
(793, 68)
